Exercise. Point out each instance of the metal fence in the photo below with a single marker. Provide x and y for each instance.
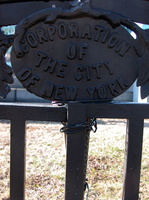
(18, 114)
(77, 117)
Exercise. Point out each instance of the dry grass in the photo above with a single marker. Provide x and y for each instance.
(45, 170)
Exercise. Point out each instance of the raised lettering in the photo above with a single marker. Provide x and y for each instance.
(122, 48)
(122, 83)
(88, 73)
(91, 91)
(41, 34)
(101, 91)
(97, 67)
(82, 50)
(71, 93)
(113, 40)
(99, 29)
(105, 35)
(78, 73)
(62, 30)
(50, 65)
(113, 88)
(31, 39)
(60, 70)
(47, 89)
(86, 32)
(41, 57)
(24, 47)
(24, 74)
(58, 93)
(27, 77)
(51, 30)
(106, 64)
(73, 27)
(74, 59)
(31, 80)
(71, 51)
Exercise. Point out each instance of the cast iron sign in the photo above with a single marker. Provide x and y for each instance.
(77, 54)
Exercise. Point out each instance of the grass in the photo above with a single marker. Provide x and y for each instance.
(45, 157)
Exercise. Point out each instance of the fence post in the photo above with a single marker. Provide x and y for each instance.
(17, 159)
(77, 152)
(133, 158)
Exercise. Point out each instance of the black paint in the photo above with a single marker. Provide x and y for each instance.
(71, 58)
(78, 54)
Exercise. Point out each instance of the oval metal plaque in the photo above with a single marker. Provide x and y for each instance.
(73, 56)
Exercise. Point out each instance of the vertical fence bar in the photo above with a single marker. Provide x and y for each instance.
(76, 157)
(133, 158)
(17, 159)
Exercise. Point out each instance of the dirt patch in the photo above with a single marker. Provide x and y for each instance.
(45, 161)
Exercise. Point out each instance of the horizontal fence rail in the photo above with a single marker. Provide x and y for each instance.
(19, 113)
(135, 115)
(35, 112)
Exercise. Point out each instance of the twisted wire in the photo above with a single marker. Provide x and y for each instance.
(90, 125)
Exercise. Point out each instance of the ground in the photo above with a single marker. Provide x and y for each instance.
(45, 158)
